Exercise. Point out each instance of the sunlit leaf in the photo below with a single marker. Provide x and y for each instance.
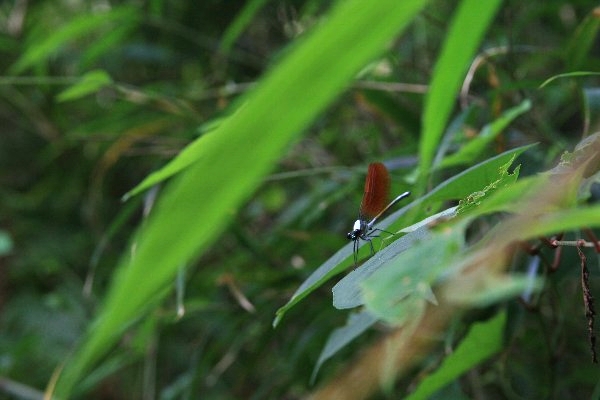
(476, 198)
(474, 178)
(462, 41)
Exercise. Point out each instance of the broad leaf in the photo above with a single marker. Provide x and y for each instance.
(347, 293)
(400, 288)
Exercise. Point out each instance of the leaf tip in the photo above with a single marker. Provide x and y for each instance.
(277, 320)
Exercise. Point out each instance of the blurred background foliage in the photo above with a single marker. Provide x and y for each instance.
(164, 72)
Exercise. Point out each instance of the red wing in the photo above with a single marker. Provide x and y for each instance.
(377, 188)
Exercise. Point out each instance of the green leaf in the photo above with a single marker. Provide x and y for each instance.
(90, 83)
(505, 179)
(457, 187)
(404, 283)
(581, 43)
(471, 150)
(6, 243)
(240, 22)
(582, 165)
(307, 66)
(567, 75)
(347, 293)
(559, 221)
(463, 38)
(77, 27)
(356, 325)
(474, 178)
(483, 340)
(232, 160)
(496, 289)
(184, 159)
(507, 198)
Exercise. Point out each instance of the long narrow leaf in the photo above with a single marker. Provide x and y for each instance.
(468, 153)
(77, 28)
(240, 22)
(467, 29)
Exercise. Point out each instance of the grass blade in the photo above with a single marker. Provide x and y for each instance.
(464, 36)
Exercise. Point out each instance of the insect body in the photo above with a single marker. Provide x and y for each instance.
(374, 204)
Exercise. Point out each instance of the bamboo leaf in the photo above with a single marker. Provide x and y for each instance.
(76, 28)
(463, 38)
(467, 154)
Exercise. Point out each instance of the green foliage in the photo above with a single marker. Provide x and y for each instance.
(463, 38)
(259, 136)
(90, 83)
(45, 46)
(483, 340)
(474, 200)
(241, 22)
(398, 291)
(6, 244)
(473, 149)
(357, 324)
(581, 42)
(457, 187)
(174, 186)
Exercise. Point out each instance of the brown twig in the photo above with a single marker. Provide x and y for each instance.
(588, 302)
